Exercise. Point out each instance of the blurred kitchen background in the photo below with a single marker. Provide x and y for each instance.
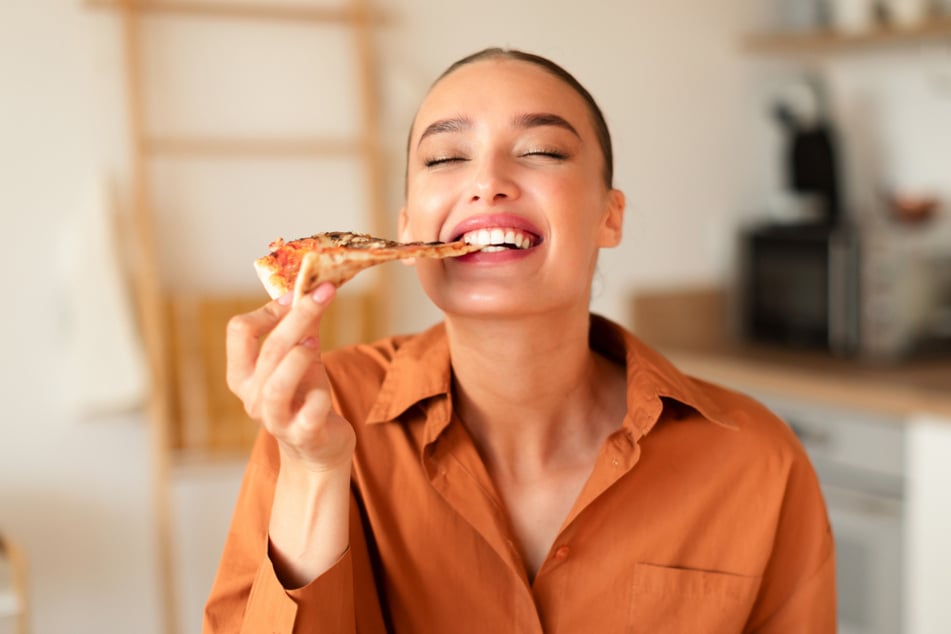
(788, 169)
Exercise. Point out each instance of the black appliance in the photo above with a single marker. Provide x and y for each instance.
(801, 286)
(810, 158)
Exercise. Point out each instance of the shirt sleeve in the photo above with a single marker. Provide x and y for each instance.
(798, 589)
(325, 604)
(248, 597)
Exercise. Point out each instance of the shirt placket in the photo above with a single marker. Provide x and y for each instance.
(457, 473)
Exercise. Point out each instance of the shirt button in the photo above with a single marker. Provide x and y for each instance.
(562, 553)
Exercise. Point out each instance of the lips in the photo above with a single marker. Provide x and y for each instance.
(498, 232)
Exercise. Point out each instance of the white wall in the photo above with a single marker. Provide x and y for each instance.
(693, 155)
(74, 492)
(894, 109)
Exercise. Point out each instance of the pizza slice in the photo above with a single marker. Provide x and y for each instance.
(304, 264)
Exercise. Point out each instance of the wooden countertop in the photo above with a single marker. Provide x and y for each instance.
(903, 389)
(690, 327)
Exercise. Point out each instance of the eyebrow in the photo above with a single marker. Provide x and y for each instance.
(456, 124)
(537, 119)
(524, 121)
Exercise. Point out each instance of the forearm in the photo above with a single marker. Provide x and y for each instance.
(309, 524)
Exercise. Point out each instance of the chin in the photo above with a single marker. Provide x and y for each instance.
(503, 304)
(477, 304)
(499, 298)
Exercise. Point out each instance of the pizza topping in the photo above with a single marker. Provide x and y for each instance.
(497, 239)
(303, 264)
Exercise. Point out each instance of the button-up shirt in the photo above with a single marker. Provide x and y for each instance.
(701, 514)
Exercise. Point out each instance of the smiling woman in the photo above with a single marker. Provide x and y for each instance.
(524, 466)
(534, 157)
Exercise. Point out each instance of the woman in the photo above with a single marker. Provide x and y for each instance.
(523, 466)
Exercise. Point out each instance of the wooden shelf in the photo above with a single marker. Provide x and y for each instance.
(829, 41)
(224, 147)
(244, 10)
(194, 418)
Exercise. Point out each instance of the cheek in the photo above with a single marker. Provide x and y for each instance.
(578, 207)
(426, 209)
(416, 211)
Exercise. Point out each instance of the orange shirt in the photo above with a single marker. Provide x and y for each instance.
(702, 514)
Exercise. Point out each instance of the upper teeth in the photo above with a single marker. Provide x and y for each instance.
(498, 237)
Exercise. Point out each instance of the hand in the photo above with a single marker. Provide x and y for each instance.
(274, 367)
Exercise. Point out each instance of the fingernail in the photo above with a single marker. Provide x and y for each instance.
(285, 299)
(309, 342)
(323, 293)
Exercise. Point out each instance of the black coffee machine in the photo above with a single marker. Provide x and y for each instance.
(810, 158)
(799, 279)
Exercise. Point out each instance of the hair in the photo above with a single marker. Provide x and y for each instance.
(597, 117)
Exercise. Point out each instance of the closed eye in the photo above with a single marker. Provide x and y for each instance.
(554, 154)
(442, 160)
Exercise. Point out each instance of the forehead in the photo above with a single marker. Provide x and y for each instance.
(501, 86)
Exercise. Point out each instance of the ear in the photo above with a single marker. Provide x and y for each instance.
(402, 234)
(612, 222)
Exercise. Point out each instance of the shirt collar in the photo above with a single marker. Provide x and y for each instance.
(420, 370)
(653, 383)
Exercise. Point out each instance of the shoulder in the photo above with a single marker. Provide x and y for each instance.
(742, 449)
(747, 412)
(358, 372)
(364, 361)
(760, 430)
(763, 451)
(380, 380)
(736, 418)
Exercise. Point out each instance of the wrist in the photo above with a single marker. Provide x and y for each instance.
(309, 524)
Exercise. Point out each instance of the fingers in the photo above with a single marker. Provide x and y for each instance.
(260, 342)
(301, 322)
(285, 389)
(243, 340)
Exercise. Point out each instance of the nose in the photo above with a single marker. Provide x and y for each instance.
(493, 182)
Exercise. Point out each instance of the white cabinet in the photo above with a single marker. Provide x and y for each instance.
(928, 526)
(860, 459)
(887, 483)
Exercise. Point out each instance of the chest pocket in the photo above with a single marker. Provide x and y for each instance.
(668, 600)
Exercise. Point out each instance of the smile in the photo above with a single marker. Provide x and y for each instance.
(499, 239)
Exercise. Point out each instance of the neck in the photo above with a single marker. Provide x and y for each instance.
(531, 391)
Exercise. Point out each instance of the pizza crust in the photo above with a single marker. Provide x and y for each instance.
(273, 283)
(306, 276)
(304, 264)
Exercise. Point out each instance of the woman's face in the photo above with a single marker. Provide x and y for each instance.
(503, 151)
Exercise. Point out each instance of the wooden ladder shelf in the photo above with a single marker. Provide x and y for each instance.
(181, 367)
